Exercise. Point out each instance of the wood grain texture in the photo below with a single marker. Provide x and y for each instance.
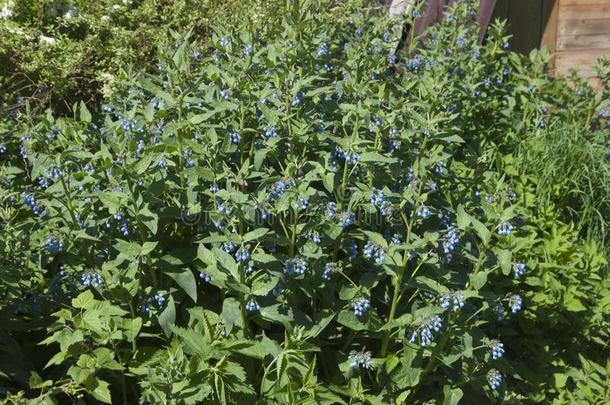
(581, 59)
(572, 42)
(586, 12)
(550, 11)
(583, 2)
(583, 27)
(525, 18)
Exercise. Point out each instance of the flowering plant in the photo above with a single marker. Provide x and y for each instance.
(289, 214)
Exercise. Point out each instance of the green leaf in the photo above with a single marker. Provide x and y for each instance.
(85, 115)
(186, 280)
(263, 284)
(100, 391)
(167, 318)
(463, 219)
(231, 314)
(504, 259)
(255, 235)
(481, 230)
(452, 396)
(84, 300)
(478, 279)
(147, 248)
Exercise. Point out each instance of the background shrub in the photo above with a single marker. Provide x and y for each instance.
(53, 52)
(288, 213)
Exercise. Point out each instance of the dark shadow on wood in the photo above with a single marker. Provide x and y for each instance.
(527, 21)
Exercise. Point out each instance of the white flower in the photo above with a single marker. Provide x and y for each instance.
(105, 18)
(47, 40)
(70, 13)
(6, 12)
(116, 7)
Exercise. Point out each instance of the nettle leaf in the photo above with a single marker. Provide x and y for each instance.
(84, 300)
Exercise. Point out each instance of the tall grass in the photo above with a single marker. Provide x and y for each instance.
(572, 165)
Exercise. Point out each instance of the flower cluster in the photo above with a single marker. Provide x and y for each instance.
(519, 269)
(242, 254)
(505, 228)
(30, 201)
(91, 279)
(515, 302)
(205, 277)
(53, 244)
(497, 349)
(449, 241)
(252, 305)
(494, 378)
(425, 330)
(373, 251)
(361, 306)
(455, 300)
(360, 359)
(330, 269)
(297, 266)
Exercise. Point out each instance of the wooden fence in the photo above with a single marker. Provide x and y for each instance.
(577, 32)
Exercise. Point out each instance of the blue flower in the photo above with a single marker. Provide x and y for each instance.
(329, 269)
(205, 277)
(424, 332)
(224, 42)
(373, 251)
(247, 50)
(352, 249)
(505, 228)
(519, 269)
(91, 279)
(252, 305)
(494, 378)
(331, 210)
(242, 255)
(455, 300)
(361, 306)
(360, 359)
(423, 212)
(54, 244)
(296, 266)
(497, 349)
(224, 94)
(271, 132)
(346, 219)
(515, 302)
(229, 247)
(323, 49)
(235, 137)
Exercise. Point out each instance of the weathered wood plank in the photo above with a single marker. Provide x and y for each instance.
(587, 12)
(550, 9)
(571, 42)
(525, 17)
(583, 71)
(584, 27)
(582, 59)
(583, 2)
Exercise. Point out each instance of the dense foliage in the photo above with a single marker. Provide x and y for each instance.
(56, 52)
(292, 213)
